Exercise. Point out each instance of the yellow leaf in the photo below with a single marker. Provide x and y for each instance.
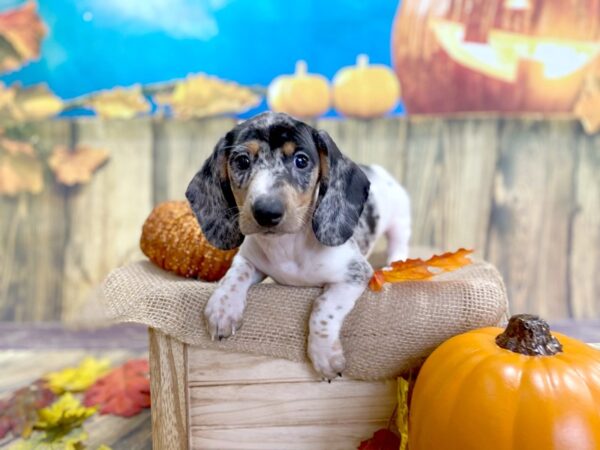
(402, 415)
(120, 103)
(64, 414)
(77, 166)
(77, 379)
(201, 95)
(73, 440)
(37, 102)
(104, 447)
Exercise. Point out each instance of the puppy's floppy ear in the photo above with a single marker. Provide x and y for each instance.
(343, 191)
(211, 199)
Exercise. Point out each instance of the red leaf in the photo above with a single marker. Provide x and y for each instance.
(125, 391)
(382, 439)
(18, 413)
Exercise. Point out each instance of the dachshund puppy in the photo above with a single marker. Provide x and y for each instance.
(302, 214)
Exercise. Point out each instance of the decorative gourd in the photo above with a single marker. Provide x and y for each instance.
(521, 389)
(494, 55)
(301, 94)
(172, 239)
(364, 90)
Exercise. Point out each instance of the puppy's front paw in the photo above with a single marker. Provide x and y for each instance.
(223, 314)
(326, 355)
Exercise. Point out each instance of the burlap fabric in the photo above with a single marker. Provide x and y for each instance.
(387, 332)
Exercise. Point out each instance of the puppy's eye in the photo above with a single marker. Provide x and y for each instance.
(301, 160)
(242, 162)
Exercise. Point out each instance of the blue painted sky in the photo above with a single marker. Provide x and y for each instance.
(98, 44)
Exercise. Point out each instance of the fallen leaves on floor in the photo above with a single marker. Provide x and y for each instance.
(76, 166)
(46, 422)
(382, 439)
(19, 412)
(417, 269)
(77, 379)
(123, 392)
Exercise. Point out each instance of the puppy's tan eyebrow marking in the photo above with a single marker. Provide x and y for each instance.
(288, 148)
(252, 146)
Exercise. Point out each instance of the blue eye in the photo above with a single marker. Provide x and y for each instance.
(301, 160)
(242, 162)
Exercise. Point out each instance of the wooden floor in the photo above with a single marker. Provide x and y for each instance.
(27, 352)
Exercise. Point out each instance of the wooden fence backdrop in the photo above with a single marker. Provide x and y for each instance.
(524, 192)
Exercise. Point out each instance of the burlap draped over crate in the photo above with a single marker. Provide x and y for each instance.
(386, 333)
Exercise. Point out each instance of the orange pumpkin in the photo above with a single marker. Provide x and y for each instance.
(521, 389)
(494, 55)
(364, 90)
(302, 94)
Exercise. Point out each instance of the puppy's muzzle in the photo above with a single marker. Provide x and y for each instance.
(268, 211)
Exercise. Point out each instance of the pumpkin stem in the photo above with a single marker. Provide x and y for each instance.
(362, 60)
(301, 67)
(528, 335)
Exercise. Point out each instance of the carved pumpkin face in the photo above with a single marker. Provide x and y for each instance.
(510, 55)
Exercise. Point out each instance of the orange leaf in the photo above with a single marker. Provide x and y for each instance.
(77, 166)
(417, 269)
(587, 107)
(20, 170)
(22, 31)
(123, 392)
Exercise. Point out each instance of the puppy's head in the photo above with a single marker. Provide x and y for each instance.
(273, 174)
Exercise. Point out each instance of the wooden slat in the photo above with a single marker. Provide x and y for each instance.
(291, 404)
(169, 391)
(33, 231)
(180, 148)
(213, 367)
(341, 436)
(422, 179)
(469, 153)
(584, 256)
(106, 215)
(530, 224)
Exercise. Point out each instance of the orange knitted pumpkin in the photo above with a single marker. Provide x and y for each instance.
(521, 389)
(172, 239)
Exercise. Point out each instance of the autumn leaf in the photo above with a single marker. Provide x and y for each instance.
(77, 166)
(77, 379)
(36, 102)
(18, 413)
(119, 103)
(201, 96)
(123, 392)
(21, 34)
(382, 439)
(20, 170)
(417, 269)
(73, 440)
(587, 107)
(63, 415)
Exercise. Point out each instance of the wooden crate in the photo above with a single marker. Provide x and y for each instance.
(207, 399)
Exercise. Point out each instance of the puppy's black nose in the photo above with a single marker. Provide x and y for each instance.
(268, 211)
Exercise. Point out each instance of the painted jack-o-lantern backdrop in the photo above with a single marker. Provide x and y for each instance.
(494, 55)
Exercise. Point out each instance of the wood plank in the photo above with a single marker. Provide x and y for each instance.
(469, 153)
(530, 224)
(341, 436)
(291, 404)
(423, 180)
(168, 386)
(32, 238)
(214, 367)
(584, 256)
(180, 149)
(106, 215)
